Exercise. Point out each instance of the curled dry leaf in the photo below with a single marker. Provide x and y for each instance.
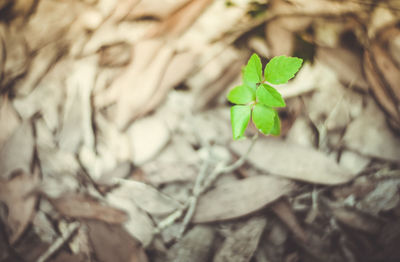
(239, 198)
(277, 157)
(80, 206)
(18, 194)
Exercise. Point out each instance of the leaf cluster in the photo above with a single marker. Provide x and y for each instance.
(256, 98)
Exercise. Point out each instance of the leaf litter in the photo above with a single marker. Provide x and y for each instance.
(112, 117)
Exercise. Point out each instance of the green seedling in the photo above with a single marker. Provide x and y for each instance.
(255, 98)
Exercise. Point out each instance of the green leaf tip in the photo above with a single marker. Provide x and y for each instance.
(240, 117)
(252, 73)
(263, 118)
(269, 96)
(281, 69)
(241, 95)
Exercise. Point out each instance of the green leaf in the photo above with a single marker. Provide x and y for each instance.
(269, 96)
(241, 95)
(276, 129)
(263, 118)
(253, 71)
(240, 116)
(281, 69)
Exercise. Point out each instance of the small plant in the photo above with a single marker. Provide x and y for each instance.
(256, 98)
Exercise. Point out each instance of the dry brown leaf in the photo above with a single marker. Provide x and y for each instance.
(240, 245)
(17, 152)
(139, 82)
(384, 76)
(148, 136)
(139, 224)
(80, 206)
(179, 21)
(281, 158)
(280, 40)
(195, 246)
(19, 196)
(14, 59)
(114, 55)
(149, 8)
(345, 63)
(147, 197)
(9, 120)
(180, 66)
(370, 135)
(41, 63)
(357, 220)
(239, 198)
(50, 23)
(111, 243)
(284, 211)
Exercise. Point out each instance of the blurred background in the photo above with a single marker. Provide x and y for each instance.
(113, 113)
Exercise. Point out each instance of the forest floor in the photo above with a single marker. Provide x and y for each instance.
(116, 144)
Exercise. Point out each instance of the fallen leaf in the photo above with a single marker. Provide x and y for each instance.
(17, 151)
(147, 197)
(114, 55)
(112, 243)
(383, 76)
(139, 224)
(239, 198)
(240, 245)
(80, 206)
(284, 211)
(281, 158)
(370, 135)
(148, 9)
(357, 220)
(195, 246)
(18, 194)
(346, 63)
(9, 120)
(148, 136)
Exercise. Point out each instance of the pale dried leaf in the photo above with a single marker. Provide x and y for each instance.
(113, 243)
(195, 246)
(148, 136)
(149, 8)
(40, 65)
(139, 224)
(357, 220)
(284, 211)
(281, 158)
(280, 40)
(147, 197)
(345, 63)
(370, 135)
(18, 194)
(239, 198)
(81, 206)
(179, 21)
(240, 245)
(9, 120)
(118, 54)
(17, 151)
